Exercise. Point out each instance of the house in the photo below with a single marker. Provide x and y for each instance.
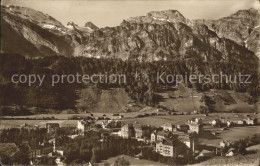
(36, 152)
(251, 121)
(41, 150)
(52, 127)
(195, 128)
(140, 130)
(9, 149)
(60, 161)
(183, 127)
(60, 150)
(158, 136)
(160, 110)
(225, 143)
(167, 148)
(153, 137)
(111, 124)
(241, 122)
(161, 135)
(120, 116)
(43, 160)
(127, 131)
(231, 152)
(168, 127)
(229, 123)
(195, 120)
(83, 125)
(205, 153)
(216, 122)
(52, 140)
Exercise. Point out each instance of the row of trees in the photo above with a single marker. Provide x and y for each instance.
(241, 145)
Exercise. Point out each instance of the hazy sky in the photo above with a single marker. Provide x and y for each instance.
(111, 13)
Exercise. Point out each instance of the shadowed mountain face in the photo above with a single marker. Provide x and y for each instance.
(162, 35)
(243, 27)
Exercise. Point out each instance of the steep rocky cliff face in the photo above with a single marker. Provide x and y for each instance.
(166, 41)
(243, 27)
(32, 34)
(162, 35)
(166, 35)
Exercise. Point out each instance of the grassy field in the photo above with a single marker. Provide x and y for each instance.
(41, 123)
(132, 160)
(157, 121)
(225, 100)
(181, 99)
(232, 134)
(247, 160)
(113, 100)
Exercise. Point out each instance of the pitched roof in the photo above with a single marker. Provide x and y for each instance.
(8, 149)
(205, 151)
(161, 133)
(231, 149)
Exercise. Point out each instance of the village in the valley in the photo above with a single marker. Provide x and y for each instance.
(101, 136)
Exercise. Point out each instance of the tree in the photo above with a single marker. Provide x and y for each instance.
(4, 159)
(241, 147)
(21, 157)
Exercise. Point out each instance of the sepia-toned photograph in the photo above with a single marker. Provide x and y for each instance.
(130, 82)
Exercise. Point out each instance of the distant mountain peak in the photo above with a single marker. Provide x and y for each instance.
(166, 14)
(252, 12)
(30, 14)
(160, 17)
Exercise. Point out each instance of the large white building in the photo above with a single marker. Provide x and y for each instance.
(127, 131)
(195, 120)
(167, 127)
(251, 121)
(165, 148)
(83, 125)
(195, 128)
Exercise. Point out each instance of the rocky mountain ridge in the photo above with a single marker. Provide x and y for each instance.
(160, 35)
(243, 27)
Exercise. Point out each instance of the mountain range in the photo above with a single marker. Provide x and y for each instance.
(159, 35)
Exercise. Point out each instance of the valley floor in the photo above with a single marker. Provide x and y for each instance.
(246, 160)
